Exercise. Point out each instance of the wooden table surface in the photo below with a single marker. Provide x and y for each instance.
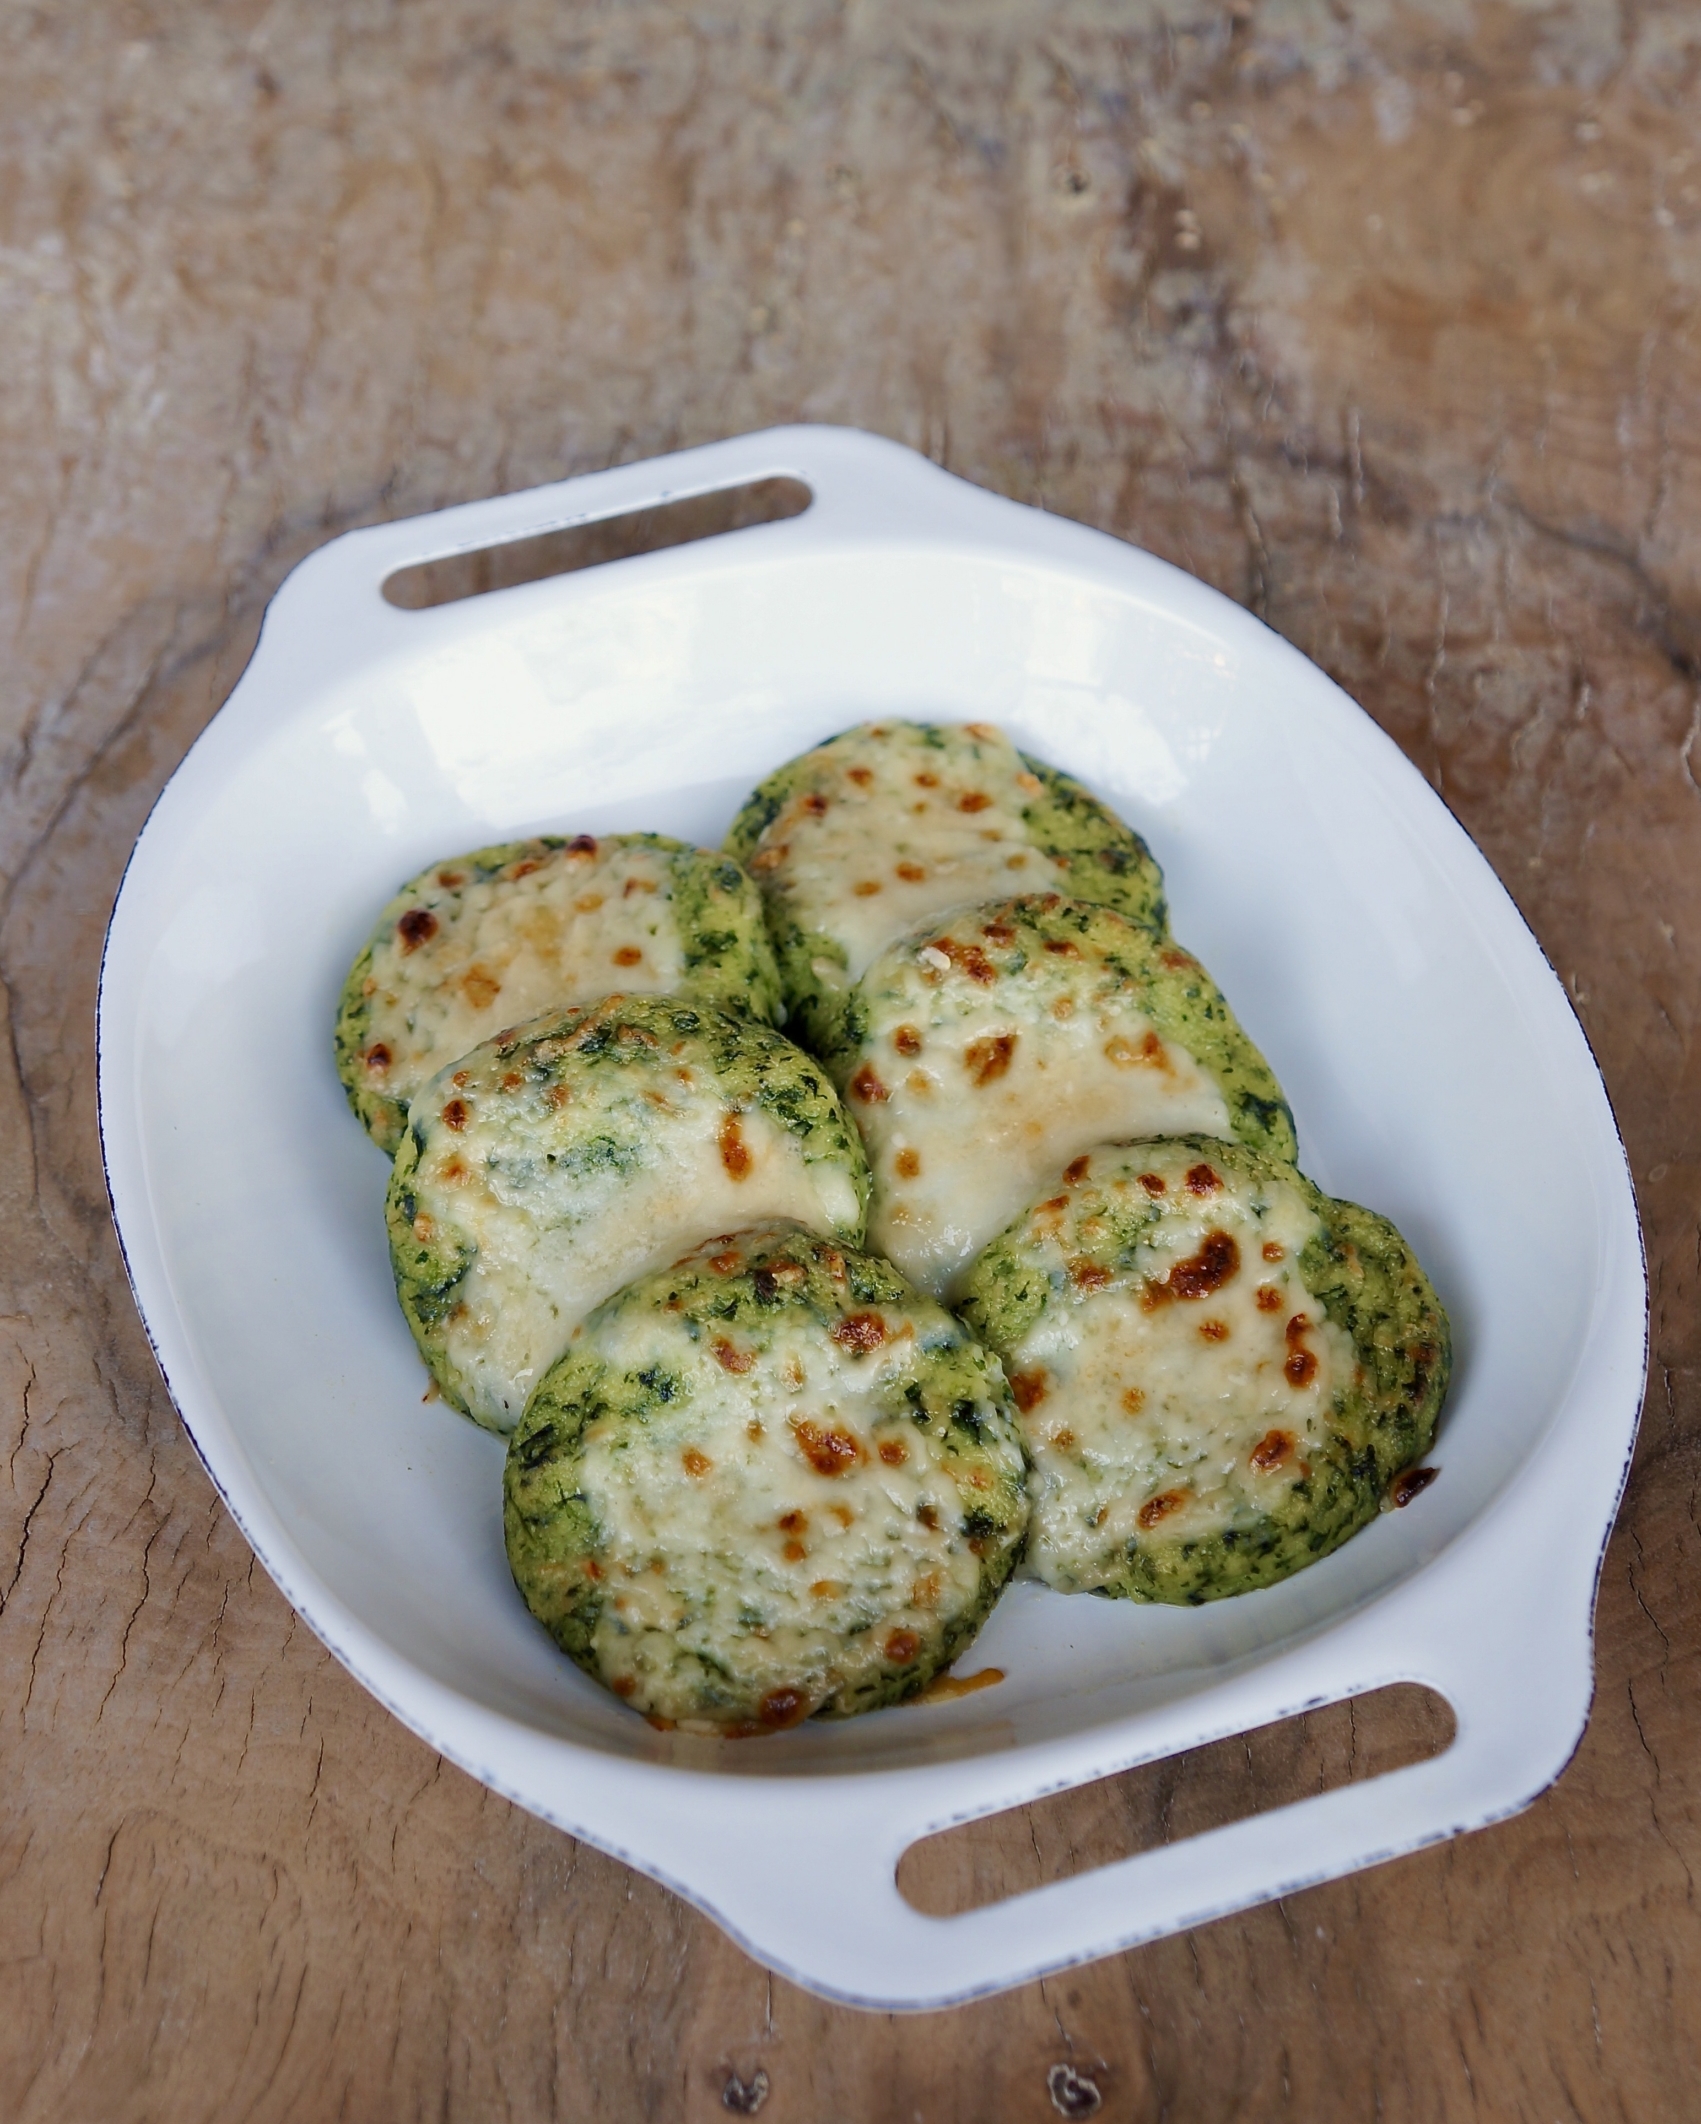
(1381, 318)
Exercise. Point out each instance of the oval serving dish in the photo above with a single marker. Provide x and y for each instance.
(1435, 1067)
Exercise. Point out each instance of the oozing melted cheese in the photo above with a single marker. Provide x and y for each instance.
(564, 1211)
(732, 1564)
(892, 829)
(1155, 1418)
(578, 923)
(972, 1094)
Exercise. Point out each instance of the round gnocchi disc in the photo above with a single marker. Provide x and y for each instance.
(890, 823)
(484, 941)
(768, 1483)
(1221, 1371)
(553, 1165)
(980, 1053)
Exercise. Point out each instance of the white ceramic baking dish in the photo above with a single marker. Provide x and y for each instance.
(1434, 1065)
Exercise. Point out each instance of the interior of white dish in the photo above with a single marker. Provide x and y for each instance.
(1427, 1052)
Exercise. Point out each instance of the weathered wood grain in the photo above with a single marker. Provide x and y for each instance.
(1381, 318)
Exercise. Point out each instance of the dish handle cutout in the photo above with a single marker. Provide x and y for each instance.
(1178, 1797)
(505, 564)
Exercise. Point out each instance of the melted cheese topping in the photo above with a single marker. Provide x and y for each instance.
(562, 1220)
(971, 1094)
(1154, 1417)
(567, 925)
(889, 829)
(727, 1548)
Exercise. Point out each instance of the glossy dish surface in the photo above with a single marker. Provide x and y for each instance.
(1436, 1072)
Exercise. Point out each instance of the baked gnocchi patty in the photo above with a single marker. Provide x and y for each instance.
(1220, 1370)
(551, 1166)
(894, 822)
(768, 1483)
(487, 940)
(979, 1053)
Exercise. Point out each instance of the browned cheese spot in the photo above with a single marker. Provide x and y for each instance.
(894, 1452)
(775, 1276)
(1301, 1367)
(582, 844)
(1063, 1438)
(735, 1152)
(627, 955)
(724, 1264)
(998, 933)
(1271, 1450)
(926, 1590)
(766, 859)
(826, 1588)
(454, 1171)
(1134, 1399)
(794, 1552)
(1077, 1169)
(828, 1451)
(927, 1515)
(866, 888)
(1208, 1270)
(860, 776)
(908, 1163)
(1410, 1483)
(861, 1332)
(730, 1357)
(1153, 1183)
(1273, 1250)
(696, 1463)
(418, 926)
(525, 869)
(588, 902)
(815, 804)
(919, 1082)
(455, 1115)
(623, 1684)
(973, 800)
(1267, 1298)
(753, 1429)
(967, 958)
(592, 1568)
(843, 1514)
(423, 1228)
(911, 873)
(557, 1096)
(794, 1522)
(987, 1059)
(927, 781)
(378, 1056)
(1214, 1330)
(1173, 961)
(1160, 1507)
(1201, 1180)
(1015, 862)
(450, 879)
(1028, 1388)
(633, 885)
(832, 1261)
(902, 1646)
(907, 1040)
(1087, 1275)
(782, 1707)
(1062, 948)
(867, 1087)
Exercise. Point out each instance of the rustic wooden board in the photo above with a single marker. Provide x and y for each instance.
(1381, 319)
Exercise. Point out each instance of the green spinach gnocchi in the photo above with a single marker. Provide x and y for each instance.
(885, 825)
(550, 1167)
(1221, 1371)
(767, 1483)
(484, 941)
